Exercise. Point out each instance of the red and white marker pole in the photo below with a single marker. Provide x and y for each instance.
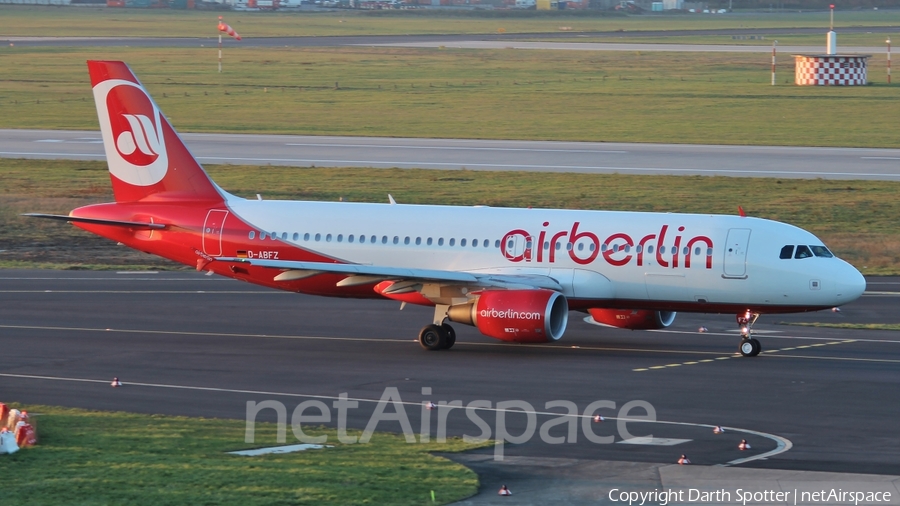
(774, 43)
(889, 61)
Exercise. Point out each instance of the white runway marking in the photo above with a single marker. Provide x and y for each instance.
(781, 444)
(653, 441)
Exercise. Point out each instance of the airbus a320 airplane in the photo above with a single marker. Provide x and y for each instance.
(513, 273)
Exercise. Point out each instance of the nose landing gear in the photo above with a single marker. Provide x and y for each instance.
(749, 346)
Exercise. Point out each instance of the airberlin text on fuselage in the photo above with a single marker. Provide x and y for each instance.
(618, 249)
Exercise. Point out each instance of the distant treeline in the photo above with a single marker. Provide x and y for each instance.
(803, 4)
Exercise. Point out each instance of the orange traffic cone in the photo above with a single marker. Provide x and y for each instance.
(598, 418)
(504, 491)
(718, 430)
(744, 445)
(115, 383)
(683, 461)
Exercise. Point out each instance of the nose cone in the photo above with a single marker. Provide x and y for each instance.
(850, 284)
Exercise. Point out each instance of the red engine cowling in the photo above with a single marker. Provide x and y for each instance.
(524, 316)
(633, 319)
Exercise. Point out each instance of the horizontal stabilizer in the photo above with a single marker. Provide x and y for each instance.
(98, 221)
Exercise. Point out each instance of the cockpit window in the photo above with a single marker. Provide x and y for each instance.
(803, 252)
(787, 252)
(821, 251)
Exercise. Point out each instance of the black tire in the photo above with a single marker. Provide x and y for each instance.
(750, 347)
(432, 338)
(450, 336)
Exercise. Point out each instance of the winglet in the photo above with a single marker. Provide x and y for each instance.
(741, 212)
(391, 200)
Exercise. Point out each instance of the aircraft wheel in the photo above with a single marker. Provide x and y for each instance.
(432, 338)
(750, 347)
(450, 335)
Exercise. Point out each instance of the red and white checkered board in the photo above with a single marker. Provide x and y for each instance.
(830, 71)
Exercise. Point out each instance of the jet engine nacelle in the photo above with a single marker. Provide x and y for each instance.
(524, 316)
(633, 319)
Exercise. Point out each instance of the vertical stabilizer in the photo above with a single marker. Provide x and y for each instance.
(147, 160)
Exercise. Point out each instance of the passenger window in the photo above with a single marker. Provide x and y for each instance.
(487, 244)
(821, 251)
(580, 247)
(662, 250)
(373, 239)
(591, 247)
(340, 237)
(558, 245)
(803, 252)
(527, 244)
(428, 242)
(328, 238)
(452, 242)
(685, 250)
(497, 243)
(350, 238)
(396, 240)
(252, 235)
(787, 252)
(627, 249)
(318, 237)
(462, 242)
(441, 241)
(604, 247)
(296, 236)
(284, 236)
(650, 249)
(262, 236)
(306, 236)
(709, 252)
(697, 251)
(274, 236)
(384, 239)
(362, 239)
(406, 240)
(418, 241)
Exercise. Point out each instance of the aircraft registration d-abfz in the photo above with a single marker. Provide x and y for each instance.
(512, 273)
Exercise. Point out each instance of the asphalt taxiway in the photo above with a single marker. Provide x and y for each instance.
(495, 155)
(819, 399)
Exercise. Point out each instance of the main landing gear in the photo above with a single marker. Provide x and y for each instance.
(749, 346)
(438, 335)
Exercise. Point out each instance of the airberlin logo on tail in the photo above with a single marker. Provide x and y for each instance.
(585, 247)
(132, 132)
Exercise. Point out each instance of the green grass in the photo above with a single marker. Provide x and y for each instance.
(497, 94)
(857, 219)
(862, 326)
(18, 20)
(90, 457)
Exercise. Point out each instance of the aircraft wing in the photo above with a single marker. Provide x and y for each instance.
(364, 274)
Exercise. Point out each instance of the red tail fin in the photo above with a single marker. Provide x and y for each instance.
(147, 160)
